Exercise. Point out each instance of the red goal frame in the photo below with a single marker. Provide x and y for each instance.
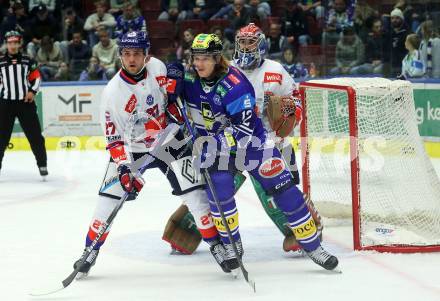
(354, 159)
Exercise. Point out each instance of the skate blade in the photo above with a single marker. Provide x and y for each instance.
(235, 273)
(81, 276)
(44, 178)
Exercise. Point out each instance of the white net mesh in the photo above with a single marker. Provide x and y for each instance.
(399, 189)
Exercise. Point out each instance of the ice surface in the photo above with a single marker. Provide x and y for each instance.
(43, 226)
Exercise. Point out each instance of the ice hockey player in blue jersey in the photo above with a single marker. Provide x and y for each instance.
(221, 103)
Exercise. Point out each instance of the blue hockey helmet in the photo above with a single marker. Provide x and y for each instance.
(250, 46)
(134, 39)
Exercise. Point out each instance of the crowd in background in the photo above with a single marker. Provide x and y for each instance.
(76, 40)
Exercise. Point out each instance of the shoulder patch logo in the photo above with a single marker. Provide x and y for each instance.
(270, 77)
(161, 80)
(233, 79)
(131, 104)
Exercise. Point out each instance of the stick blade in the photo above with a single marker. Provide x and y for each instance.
(45, 292)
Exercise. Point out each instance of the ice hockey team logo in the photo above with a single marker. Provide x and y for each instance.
(217, 99)
(131, 104)
(150, 100)
(271, 168)
(270, 77)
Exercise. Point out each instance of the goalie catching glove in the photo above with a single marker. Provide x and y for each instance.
(283, 113)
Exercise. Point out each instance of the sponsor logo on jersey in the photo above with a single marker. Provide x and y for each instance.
(131, 104)
(217, 100)
(233, 79)
(227, 85)
(221, 91)
(270, 77)
(188, 171)
(207, 115)
(161, 80)
(150, 100)
(189, 77)
(171, 85)
(271, 168)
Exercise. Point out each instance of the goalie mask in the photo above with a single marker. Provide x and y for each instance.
(250, 47)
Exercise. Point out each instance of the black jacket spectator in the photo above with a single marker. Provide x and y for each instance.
(294, 22)
(72, 23)
(43, 24)
(79, 54)
(17, 21)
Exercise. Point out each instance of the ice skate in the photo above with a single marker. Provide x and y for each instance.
(43, 172)
(218, 251)
(323, 258)
(90, 261)
(231, 259)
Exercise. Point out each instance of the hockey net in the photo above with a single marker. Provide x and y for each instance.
(363, 159)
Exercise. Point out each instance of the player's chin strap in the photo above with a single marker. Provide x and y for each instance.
(208, 180)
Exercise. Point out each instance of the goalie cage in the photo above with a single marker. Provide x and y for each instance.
(364, 159)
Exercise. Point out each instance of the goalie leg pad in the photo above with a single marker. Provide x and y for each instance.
(181, 231)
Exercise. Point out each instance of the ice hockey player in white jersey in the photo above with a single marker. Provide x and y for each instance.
(134, 109)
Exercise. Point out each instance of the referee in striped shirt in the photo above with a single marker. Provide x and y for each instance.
(19, 82)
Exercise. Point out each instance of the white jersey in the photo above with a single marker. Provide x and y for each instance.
(127, 108)
(269, 79)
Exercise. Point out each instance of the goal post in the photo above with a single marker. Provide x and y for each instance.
(363, 159)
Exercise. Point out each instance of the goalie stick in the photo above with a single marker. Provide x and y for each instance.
(208, 180)
(104, 226)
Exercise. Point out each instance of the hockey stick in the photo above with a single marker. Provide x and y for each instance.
(104, 226)
(208, 180)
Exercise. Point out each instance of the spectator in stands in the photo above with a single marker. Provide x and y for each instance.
(313, 7)
(239, 16)
(410, 14)
(72, 23)
(430, 49)
(276, 42)
(117, 5)
(228, 47)
(49, 58)
(176, 10)
(130, 20)
(79, 54)
(412, 63)
(205, 9)
(375, 54)
(396, 41)
(294, 68)
(363, 15)
(294, 24)
(350, 52)
(49, 4)
(94, 71)
(107, 53)
(17, 20)
(337, 18)
(43, 24)
(259, 11)
(185, 44)
(63, 73)
(97, 21)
